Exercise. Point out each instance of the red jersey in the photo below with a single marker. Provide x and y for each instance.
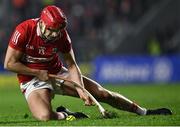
(38, 54)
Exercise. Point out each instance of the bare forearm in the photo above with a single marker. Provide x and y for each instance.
(20, 68)
(12, 63)
(75, 74)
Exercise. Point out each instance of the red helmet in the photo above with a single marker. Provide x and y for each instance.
(53, 17)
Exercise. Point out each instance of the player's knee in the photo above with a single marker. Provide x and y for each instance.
(44, 116)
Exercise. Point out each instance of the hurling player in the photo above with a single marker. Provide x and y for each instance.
(33, 54)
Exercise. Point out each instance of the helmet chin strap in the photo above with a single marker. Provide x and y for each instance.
(42, 31)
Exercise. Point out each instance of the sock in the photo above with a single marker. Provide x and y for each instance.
(61, 115)
(139, 110)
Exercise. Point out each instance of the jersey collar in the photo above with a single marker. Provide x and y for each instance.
(38, 30)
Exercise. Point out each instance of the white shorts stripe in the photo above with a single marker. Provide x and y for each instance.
(35, 84)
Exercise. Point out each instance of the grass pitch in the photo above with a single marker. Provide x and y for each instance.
(14, 110)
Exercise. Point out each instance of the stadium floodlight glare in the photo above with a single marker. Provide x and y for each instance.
(104, 113)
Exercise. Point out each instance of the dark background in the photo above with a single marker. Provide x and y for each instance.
(100, 27)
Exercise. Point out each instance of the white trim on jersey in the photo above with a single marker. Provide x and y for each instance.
(38, 32)
(16, 36)
(68, 38)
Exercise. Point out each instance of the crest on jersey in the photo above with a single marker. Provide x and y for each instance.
(42, 50)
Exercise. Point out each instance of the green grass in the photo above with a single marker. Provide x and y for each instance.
(13, 107)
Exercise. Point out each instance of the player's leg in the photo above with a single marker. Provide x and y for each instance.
(112, 98)
(103, 95)
(39, 102)
(119, 101)
(38, 95)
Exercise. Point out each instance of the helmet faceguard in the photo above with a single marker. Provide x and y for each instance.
(53, 19)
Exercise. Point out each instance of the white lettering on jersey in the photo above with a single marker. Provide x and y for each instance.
(31, 59)
(30, 47)
(15, 37)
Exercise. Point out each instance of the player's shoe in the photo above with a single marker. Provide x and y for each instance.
(77, 115)
(160, 111)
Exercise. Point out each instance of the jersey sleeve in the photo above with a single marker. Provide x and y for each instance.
(65, 46)
(17, 40)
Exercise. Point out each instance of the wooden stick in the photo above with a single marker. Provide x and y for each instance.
(101, 109)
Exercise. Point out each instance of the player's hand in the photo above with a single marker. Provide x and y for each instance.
(87, 100)
(43, 75)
